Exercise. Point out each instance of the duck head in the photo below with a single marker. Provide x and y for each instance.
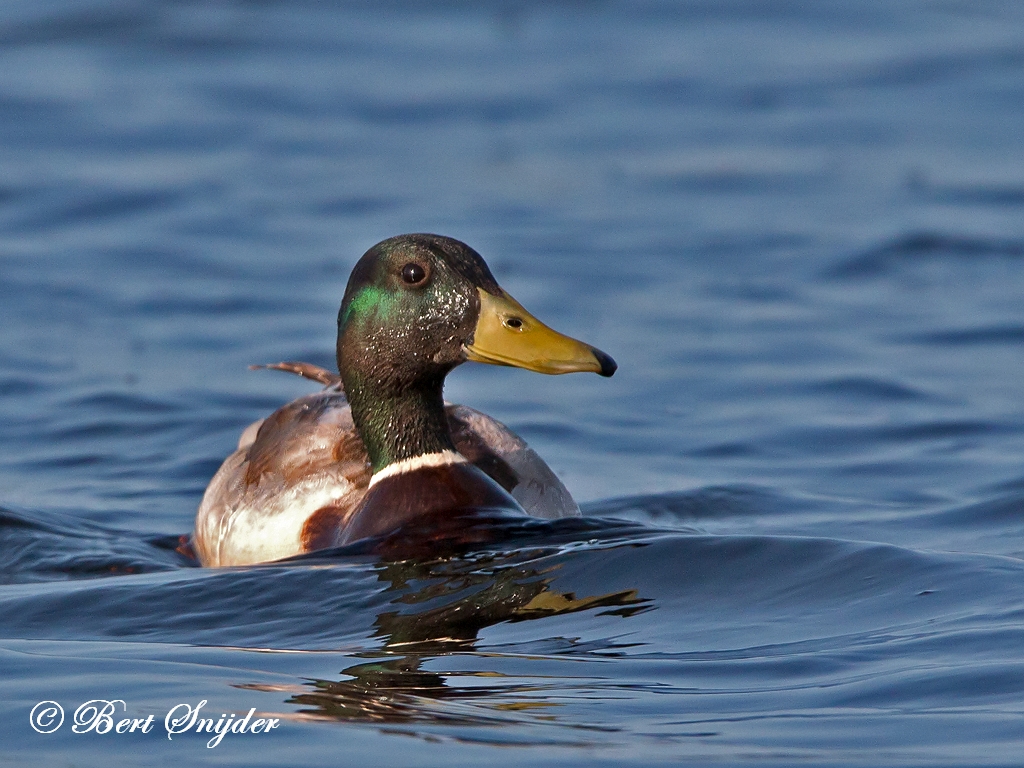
(415, 307)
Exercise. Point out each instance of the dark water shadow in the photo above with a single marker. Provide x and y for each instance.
(40, 547)
(918, 247)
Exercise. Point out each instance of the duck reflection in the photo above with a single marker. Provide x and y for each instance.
(439, 607)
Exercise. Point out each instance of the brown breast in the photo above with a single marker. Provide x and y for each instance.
(432, 498)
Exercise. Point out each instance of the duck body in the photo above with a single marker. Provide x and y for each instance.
(378, 450)
(299, 478)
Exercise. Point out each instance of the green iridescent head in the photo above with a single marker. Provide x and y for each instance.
(410, 306)
(415, 307)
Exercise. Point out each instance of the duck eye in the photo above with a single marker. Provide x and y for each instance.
(413, 273)
(514, 323)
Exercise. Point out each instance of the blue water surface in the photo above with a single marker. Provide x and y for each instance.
(799, 229)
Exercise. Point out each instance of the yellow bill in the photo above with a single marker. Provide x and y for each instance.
(506, 334)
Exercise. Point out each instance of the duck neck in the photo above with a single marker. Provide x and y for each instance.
(401, 421)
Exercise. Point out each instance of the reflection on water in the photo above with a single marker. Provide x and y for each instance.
(496, 592)
(440, 608)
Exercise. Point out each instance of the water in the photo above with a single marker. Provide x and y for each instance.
(798, 229)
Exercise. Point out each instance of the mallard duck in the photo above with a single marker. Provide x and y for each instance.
(378, 448)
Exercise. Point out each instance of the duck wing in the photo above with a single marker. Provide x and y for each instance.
(304, 467)
(510, 462)
(304, 457)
